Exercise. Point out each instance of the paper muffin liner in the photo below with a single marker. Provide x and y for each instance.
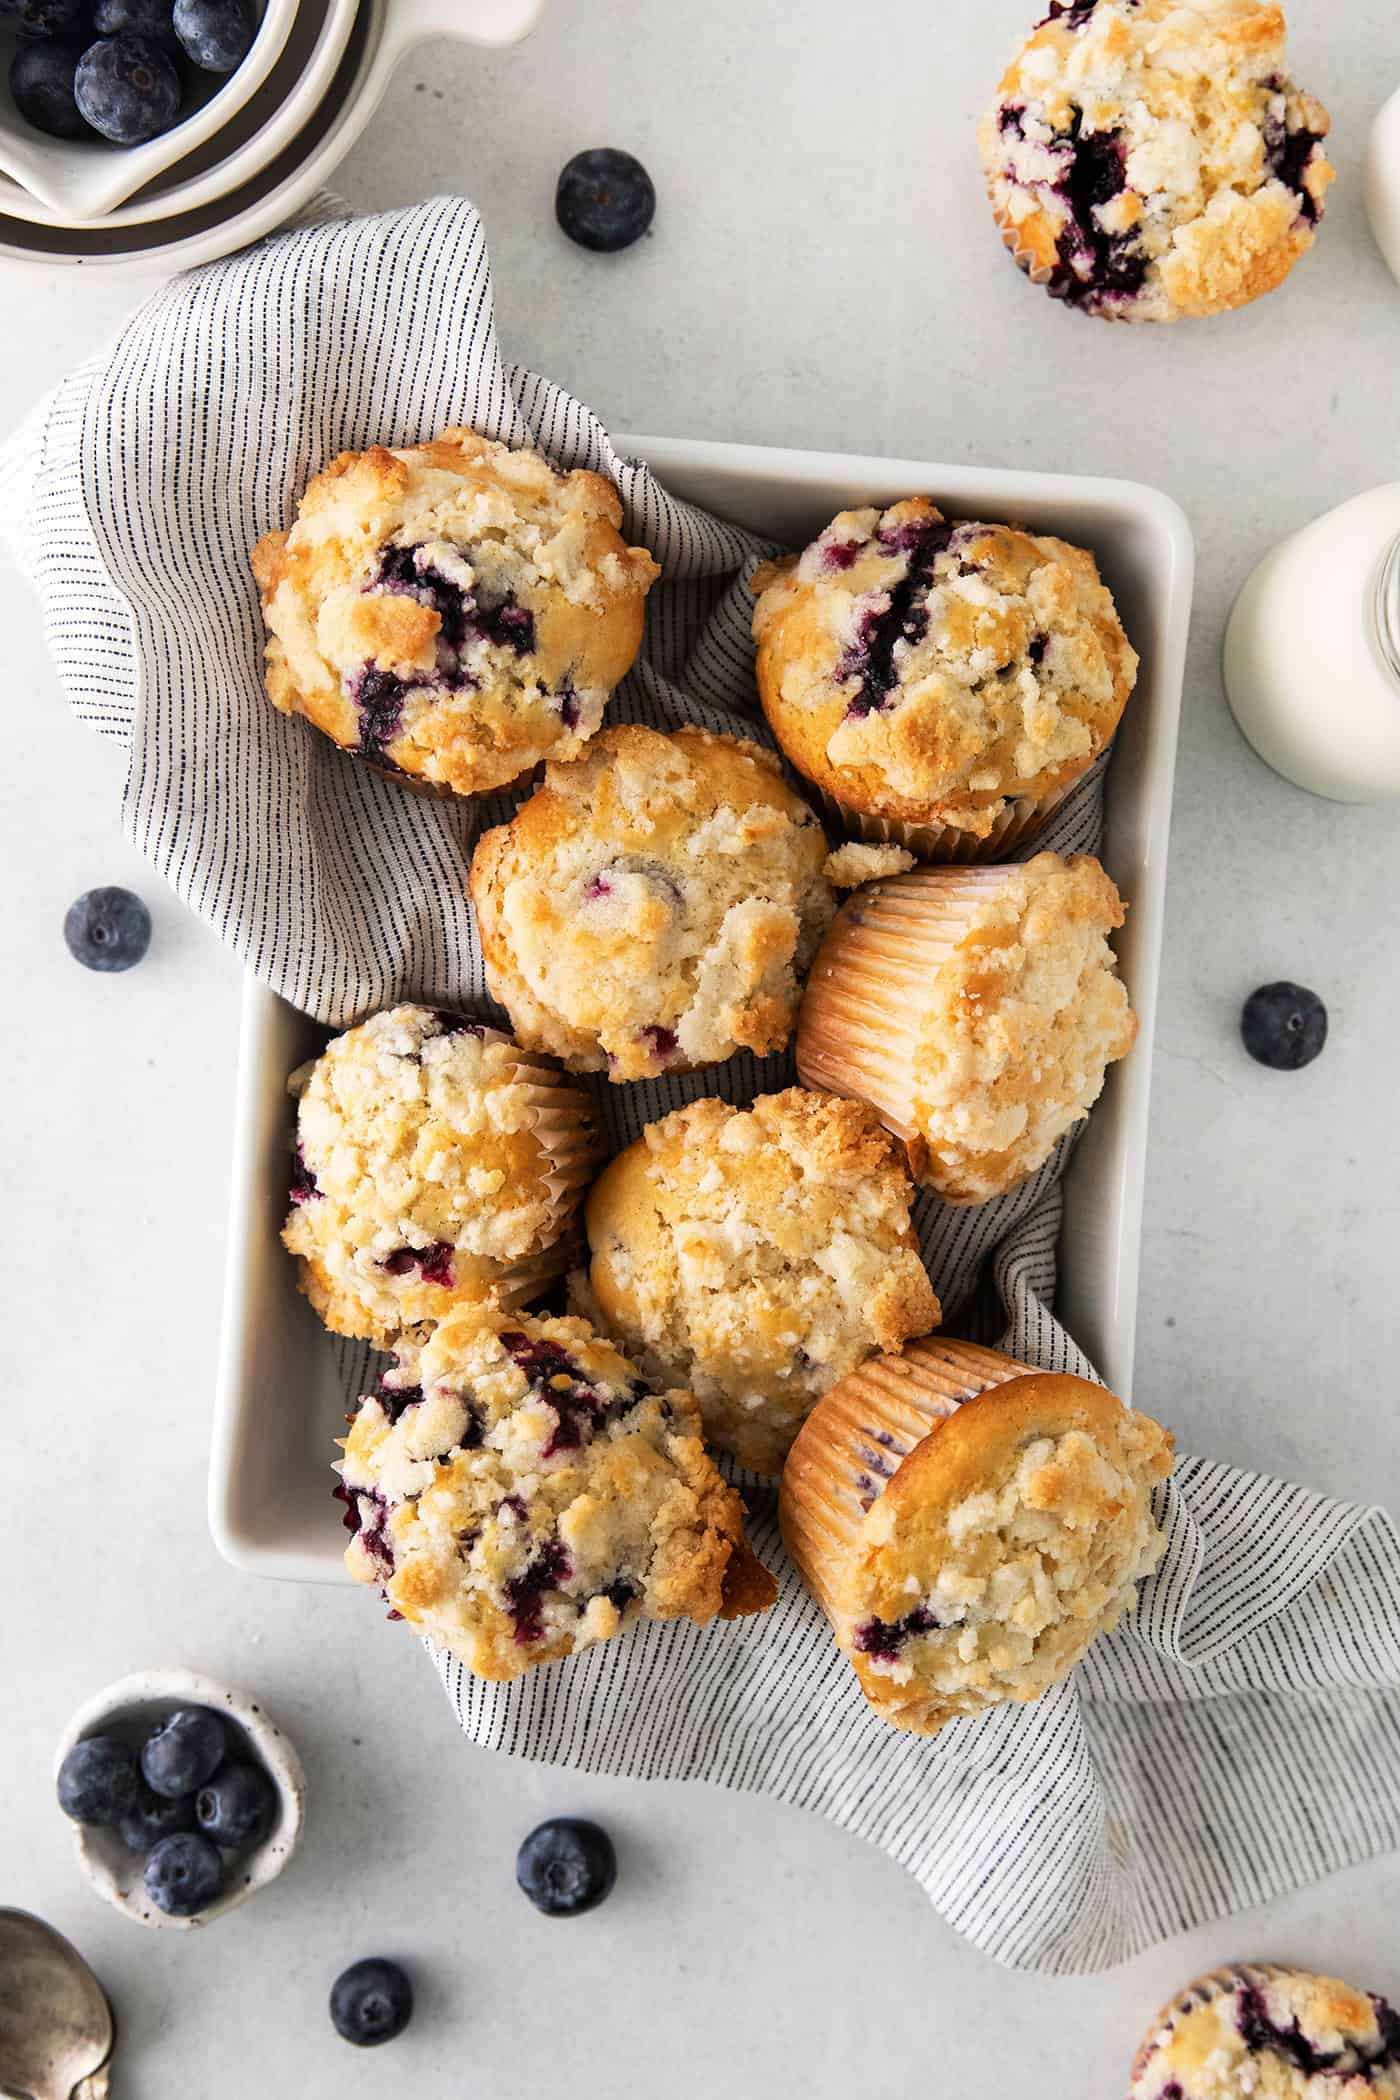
(856, 1439)
(859, 1026)
(948, 844)
(1215, 1983)
(564, 1126)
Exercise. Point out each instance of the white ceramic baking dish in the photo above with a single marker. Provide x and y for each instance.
(279, 1401)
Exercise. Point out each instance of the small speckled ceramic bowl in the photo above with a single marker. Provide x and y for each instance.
(129, 1710)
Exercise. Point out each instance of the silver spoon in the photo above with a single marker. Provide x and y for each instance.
(56, 2030)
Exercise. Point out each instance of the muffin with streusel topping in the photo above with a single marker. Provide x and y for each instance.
(453, 612)
(754, 1255)
(976, 1009)
(970, 1525)
(518, 1492)
(1274, 2032)
(943, 684)
(436, 1165)
(1153, 159)
(654, 905)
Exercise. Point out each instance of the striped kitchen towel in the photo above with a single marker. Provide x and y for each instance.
(1241, 1734)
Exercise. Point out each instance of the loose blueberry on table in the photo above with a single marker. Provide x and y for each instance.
(371, 2002)
(107, 929)
(566, 1866)
(605, 199)
(1283, 1026)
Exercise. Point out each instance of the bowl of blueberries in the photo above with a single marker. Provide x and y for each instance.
(184, 1795)
(104, 95)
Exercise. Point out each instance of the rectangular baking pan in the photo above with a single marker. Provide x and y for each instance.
(280, 1388)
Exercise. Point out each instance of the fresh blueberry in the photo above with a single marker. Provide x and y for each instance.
(184, 1874)
(127, 88)
(1284, 1026)
(153, 1818)
(371, 2002)
(566, 1866)
(107, 929)
(41, 88)
(135, 18)
(217, 34)
(237, 1806)
(46, 17)
(98, 1781)
(184, 1752)
(605, 199)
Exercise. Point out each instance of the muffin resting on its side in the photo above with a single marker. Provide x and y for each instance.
(943, 684)
(1148, 159)
(970, 1525)
(454, 611)
(977, 1009)
(1274, 2032)
(518, 1492)
(436, 1166)
(755, 1255)
(653, 906)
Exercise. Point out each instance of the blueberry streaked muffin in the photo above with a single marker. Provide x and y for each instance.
(976, 1009)
(1152, 159)
(654, 905)
(969, 1525)
(942, 683)
(1273, 2032)
(436, 1165)
(518, 1491)
(754, 1255)
(455, 611)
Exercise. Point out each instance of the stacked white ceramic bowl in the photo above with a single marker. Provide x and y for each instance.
(246, 161)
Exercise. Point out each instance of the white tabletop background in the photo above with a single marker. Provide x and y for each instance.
(823, 272)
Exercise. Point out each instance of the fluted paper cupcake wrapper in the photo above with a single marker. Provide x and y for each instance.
(563, 1124)
(856, 1439)
(858, 1031)
(949, 844)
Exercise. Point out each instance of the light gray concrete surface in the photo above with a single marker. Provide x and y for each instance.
(822, 273)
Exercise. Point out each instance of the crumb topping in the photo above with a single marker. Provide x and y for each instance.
(431, 1160)
(1149, 159)
(757, 1255)
(455, 611)
(517, 1492)
(934, 672)
(654, 905)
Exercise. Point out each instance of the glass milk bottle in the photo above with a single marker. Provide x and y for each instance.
(1312, 652)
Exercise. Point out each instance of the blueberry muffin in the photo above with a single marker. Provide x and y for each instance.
(654, 905)
(942, 684)
(976, 1009)
(754, 1255)
(517, 1492)
(1148, 159)
(452, 612)
(435, 1166)
(1273, 2032)
(969, 1525)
